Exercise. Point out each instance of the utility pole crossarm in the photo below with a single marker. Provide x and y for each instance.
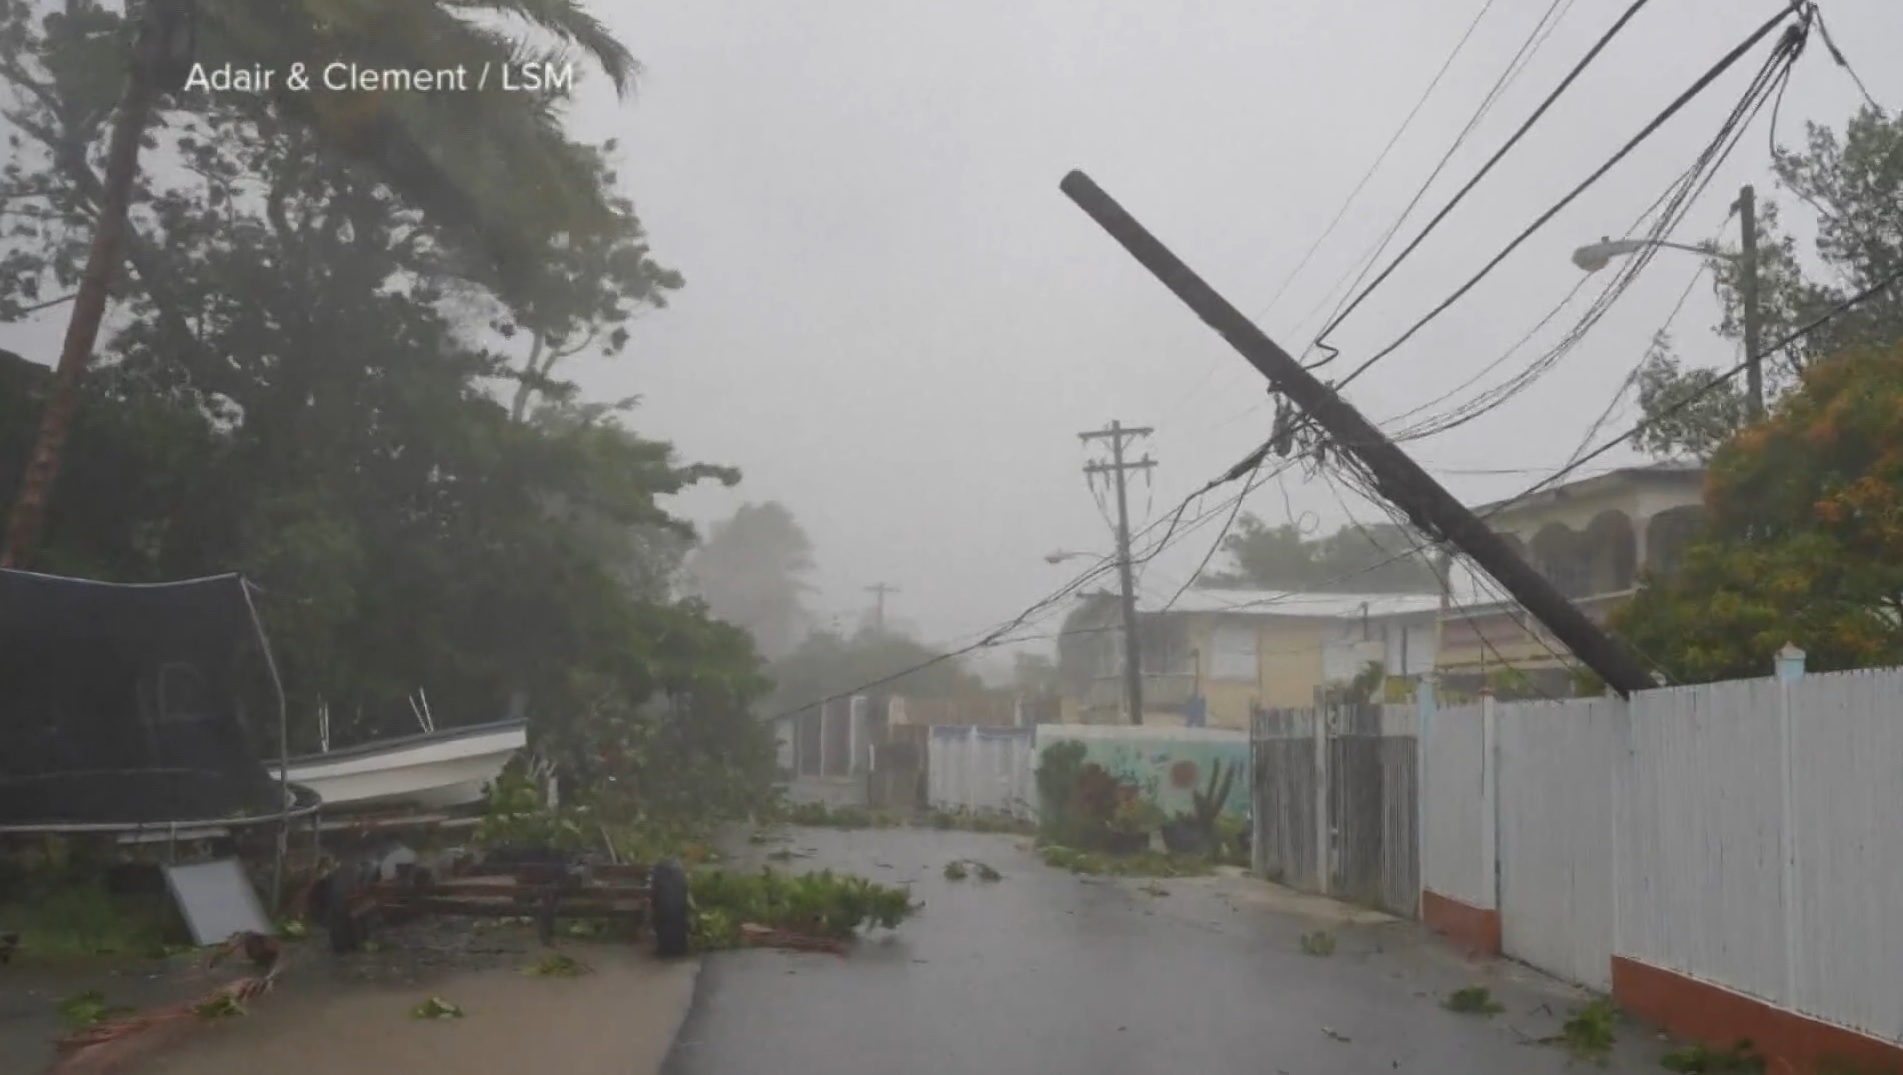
(1397, 478)
(1120, 469)
(879, 590)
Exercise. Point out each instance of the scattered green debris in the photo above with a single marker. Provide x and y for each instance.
(959, 869)
(787, 854)
(1319, 943)
(436, 1008)
(293, 929)
(1701, 1059)
(1142, 864)
(1472, 1000)
(823, 904)
(219, 1006)
(759, 838)
(1156, 890)
(558, 965)
(89, 1008)
(821, 816)
(974, 821)
(1589, 1033)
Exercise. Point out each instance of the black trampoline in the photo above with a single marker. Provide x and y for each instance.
(128, 707)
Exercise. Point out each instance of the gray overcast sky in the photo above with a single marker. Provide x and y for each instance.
(896, 324)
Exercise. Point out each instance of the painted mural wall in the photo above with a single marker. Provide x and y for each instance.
(1169, 764)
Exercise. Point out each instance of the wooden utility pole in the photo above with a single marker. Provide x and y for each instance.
(1118, 470)
(878, 590)
(1748, 291)
(1398, 479)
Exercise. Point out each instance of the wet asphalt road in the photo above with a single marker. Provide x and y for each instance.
(1050, 973)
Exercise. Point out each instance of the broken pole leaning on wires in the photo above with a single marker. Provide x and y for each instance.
(1429, 507)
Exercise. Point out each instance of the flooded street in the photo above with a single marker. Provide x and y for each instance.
(1049, 972)
(330, 1014)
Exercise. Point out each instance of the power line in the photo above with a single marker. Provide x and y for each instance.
(1792, 41)
(1380, 159)
(997, 635)
(1513, 140)
(1535, 40)
(1672, 206)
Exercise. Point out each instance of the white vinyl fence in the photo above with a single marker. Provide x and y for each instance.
(979, 769)
(1556, 818)
(1457, 806)
(1748, 834)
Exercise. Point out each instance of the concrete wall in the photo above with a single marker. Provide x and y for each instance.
(1172, 762)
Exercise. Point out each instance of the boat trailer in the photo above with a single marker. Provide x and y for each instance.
(353, 899)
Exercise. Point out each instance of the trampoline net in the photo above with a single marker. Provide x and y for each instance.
(130, 704)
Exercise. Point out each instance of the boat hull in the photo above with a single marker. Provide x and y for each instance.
(432, 772)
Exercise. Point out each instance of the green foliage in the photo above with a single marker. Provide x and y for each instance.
(1803, 540)
(1853, 184)
(1472, 1000)
(823, 904)
(89, 1008)
(1210, 802)
(955, 870)
(1318, 943)
(1141, 864)
(1702, 1059)
(1374, 559)
(301, 386)
(1058, 768)
(1589, 1032)
(974, 821)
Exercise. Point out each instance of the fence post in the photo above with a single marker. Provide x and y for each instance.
(969, 775)
(1788, 666)
(1490, 788)
(1425, 704)
(1324, 845)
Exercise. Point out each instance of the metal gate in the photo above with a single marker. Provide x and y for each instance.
(1336, 801)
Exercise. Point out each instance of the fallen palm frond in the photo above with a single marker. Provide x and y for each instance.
(111, 1044)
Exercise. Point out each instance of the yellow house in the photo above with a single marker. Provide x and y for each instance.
(1592, 538)
(1214, 656)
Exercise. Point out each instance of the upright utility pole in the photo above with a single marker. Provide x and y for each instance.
(1399, 480)
(1748, 288)
(1119, 471)
(878, 590)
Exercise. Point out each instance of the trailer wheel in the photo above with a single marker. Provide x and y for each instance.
(346, 929)
(668, 911)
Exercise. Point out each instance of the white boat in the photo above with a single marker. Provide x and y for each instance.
(437, 770)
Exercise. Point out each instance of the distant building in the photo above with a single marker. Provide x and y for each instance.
(1592, 538)
(1214, 656)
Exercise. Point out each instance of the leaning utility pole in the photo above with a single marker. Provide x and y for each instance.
(1119, 470)
(1748, 291)
(878, 590)
(1399, 480)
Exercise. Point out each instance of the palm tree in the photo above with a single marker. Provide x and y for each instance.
(494, 170)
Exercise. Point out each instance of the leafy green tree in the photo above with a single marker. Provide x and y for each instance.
(1805, 536)
(325, 421)
(463, 158)
(1853, 184)
(1371, 559)
(752, 571)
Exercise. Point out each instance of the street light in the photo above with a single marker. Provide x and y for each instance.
(1058, 556)
(1595, 256)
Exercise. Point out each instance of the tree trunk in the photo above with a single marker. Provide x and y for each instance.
(82, 329)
